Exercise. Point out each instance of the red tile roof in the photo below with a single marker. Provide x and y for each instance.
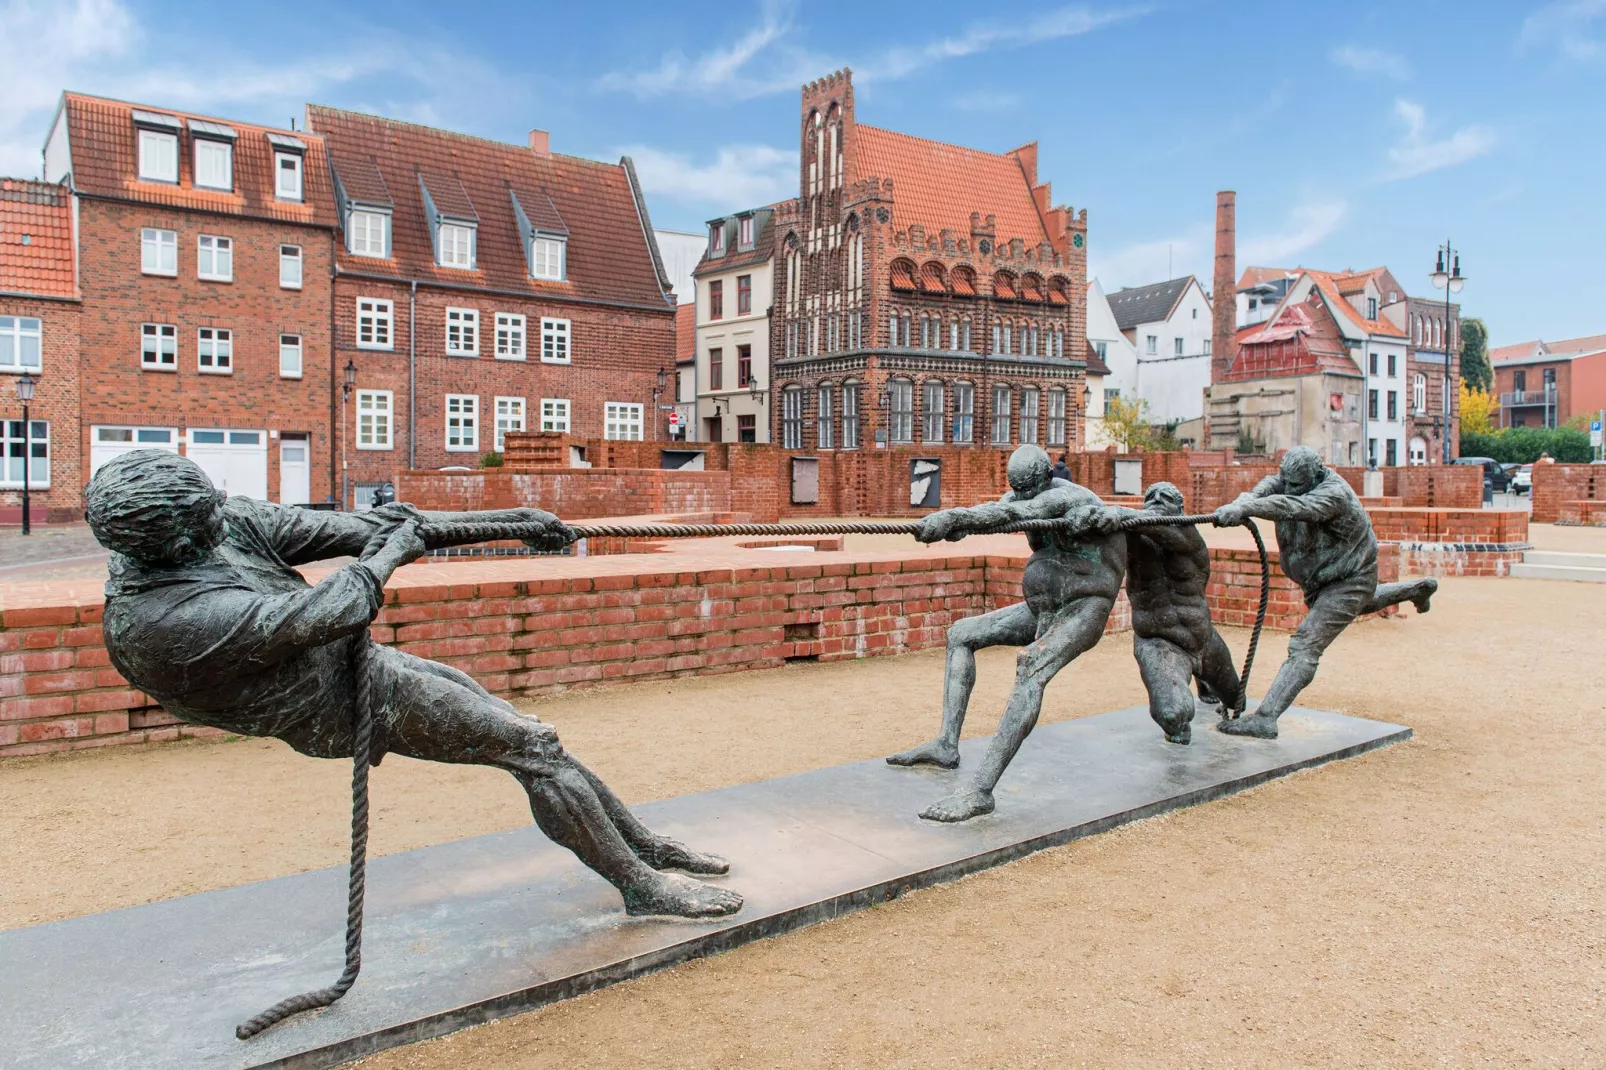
(36, 246)
(608, 258)
(1095, 363)
(1330, 285)
(1303, 340)
(938, 186)
(105, 164)
(1587, 344)
(686, 332)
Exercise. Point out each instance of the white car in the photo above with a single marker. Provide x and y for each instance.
(1522, 480)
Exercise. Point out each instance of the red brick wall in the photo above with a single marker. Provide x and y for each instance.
(1476, 525)
(117, 299)
(1456, 486)
(56, 401)
(1586, 513)
(573, 494)
(1557, 483)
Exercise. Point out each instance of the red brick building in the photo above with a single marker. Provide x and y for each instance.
(925, 293)
(482, 287)
(204, 263)
(38, 337)
(1546, 384)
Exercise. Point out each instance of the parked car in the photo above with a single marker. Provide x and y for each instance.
(1494, 473)
(1522, 481)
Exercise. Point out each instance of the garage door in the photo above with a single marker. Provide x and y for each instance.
(108, 442)
(235, 461)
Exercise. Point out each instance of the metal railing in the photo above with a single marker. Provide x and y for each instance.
(1529, 397)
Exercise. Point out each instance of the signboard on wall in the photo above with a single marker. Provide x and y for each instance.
(805, 480)
(925, 482)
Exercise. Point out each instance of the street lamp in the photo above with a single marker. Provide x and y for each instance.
(345, 398)
(659, 384)
(25, 395)
(1450, 282)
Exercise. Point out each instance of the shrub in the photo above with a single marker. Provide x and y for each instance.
(1523, 445)
(491, 460)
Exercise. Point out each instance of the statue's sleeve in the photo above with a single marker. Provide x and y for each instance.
(1322, 502)
(302, 535)
(269, 628)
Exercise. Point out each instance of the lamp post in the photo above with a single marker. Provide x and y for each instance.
(1087, 405)
(25, 395)
(659, 384)
(1450, 282)
(349, 381)
(756, 392)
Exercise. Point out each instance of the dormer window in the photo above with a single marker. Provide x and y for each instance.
(158, 146)
(286, 176)
(214, 164)
(744, 237)
(368, 233)
(716, 239)
(456, 241)
(547, 257)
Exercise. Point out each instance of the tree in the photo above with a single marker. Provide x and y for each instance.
(1475, 355)
(1126, 422)
(1478, 409)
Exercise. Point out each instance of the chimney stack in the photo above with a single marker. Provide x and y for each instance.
(540, 142)
(1224, 296)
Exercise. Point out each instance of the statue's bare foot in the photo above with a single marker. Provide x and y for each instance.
(665, 853)
(960, 806)
(1183, 735)
(1423, 601)
(938, 752)
(670, 893)
(1256, 725)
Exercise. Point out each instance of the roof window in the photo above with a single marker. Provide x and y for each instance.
(716, 238)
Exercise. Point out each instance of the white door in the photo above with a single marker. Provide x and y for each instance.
(108, 442)
(295, 472)
(235, 461)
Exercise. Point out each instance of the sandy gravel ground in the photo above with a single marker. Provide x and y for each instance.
(1439, 903)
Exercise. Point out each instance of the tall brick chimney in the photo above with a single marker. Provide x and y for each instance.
(1224, 296)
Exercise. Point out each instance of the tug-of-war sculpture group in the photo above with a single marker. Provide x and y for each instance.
(206, 612)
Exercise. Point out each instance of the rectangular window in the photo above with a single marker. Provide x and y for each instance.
(462, 423)
(1372, 363)
(158, 347)
(554, 341)
(792, 418)
(290, 267)
(367, 234)
(744, 367)
(289, 356)
(902, 428)
(825, 425)
(374, 323)
(158, 252)
(622, 420)
(932, 411)
(214, 164)
(555, 414)
(964, 414)
(1001, 405)
(1102, 349)
(1519, 381)
(1394, 405)
(716, 299)
(1391, 452)
(716, 238)
(744, 297)
(744, 234)
(747, 428)
(850, 416)
(374, 419)
(1371, 314)
(509, 336)
(463, 332)
(1371, 451)
(158, 156)
(716, 369)
(1177, 346)
(1028, 415)
(1371, 405)
(25, 452)
(964, 336)
(1151, 344)
(509, 417)
(1005, 333)
(287, 176)
(456, 246)
(21, 343)
(546, 258)
(214, 350)
(1394, 368)
(1056, 417)
(214, 259)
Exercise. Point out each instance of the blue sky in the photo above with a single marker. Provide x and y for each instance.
(1354, 134)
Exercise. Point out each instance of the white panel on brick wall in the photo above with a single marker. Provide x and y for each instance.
(234, 459)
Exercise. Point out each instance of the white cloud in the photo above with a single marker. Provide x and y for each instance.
(1141, 263)
(1566, 27)
(1072, 21)
(1417, 155)
(1372, 61)
(61, 38)
(1306, 226)
(739, 176)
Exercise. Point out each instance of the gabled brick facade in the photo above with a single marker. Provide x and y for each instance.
(928, 288)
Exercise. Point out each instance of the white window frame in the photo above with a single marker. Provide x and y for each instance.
(158, 156)
(510, 416)
(557, 340)
(9, 450)
(290, 346)
(455, 243)
(158, 331)
(999, 415)
(792, 418)
(1419, 393)
(287, 190)
(825, 418)
(291, 255)
(1057, 422)
(368, 233)
(964, 413)
(207, 146)
(555, 415)
(1151, 344)
(1030, 413)
(933, 410)
(380, 417)
(16, 330)
(380, 316)
(548, 258)
(510, 336)
(155, 246)
(214, 350)
(214, 258)
(623, 421)
(900, 412)
(462, 332)
(463, 421)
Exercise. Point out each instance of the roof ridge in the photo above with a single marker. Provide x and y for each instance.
(457, 134)
(74, 94)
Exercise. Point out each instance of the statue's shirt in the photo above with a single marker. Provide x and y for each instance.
(1323, 535)
(240, 641)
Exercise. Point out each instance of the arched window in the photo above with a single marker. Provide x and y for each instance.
(825, 417)
(792, 418)
(1005, 346)
(1005, 287)
(901, 411)
(1419, 393)
(964, 335)
(953, 334)
(964, 413)
(963, 281)
(850, 414)
(1059, 290)
(903, 274)
(933, 410)
(1031, 287)
(1032, 349)
(1056, 416)
(1416, 327)
(933, 280)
